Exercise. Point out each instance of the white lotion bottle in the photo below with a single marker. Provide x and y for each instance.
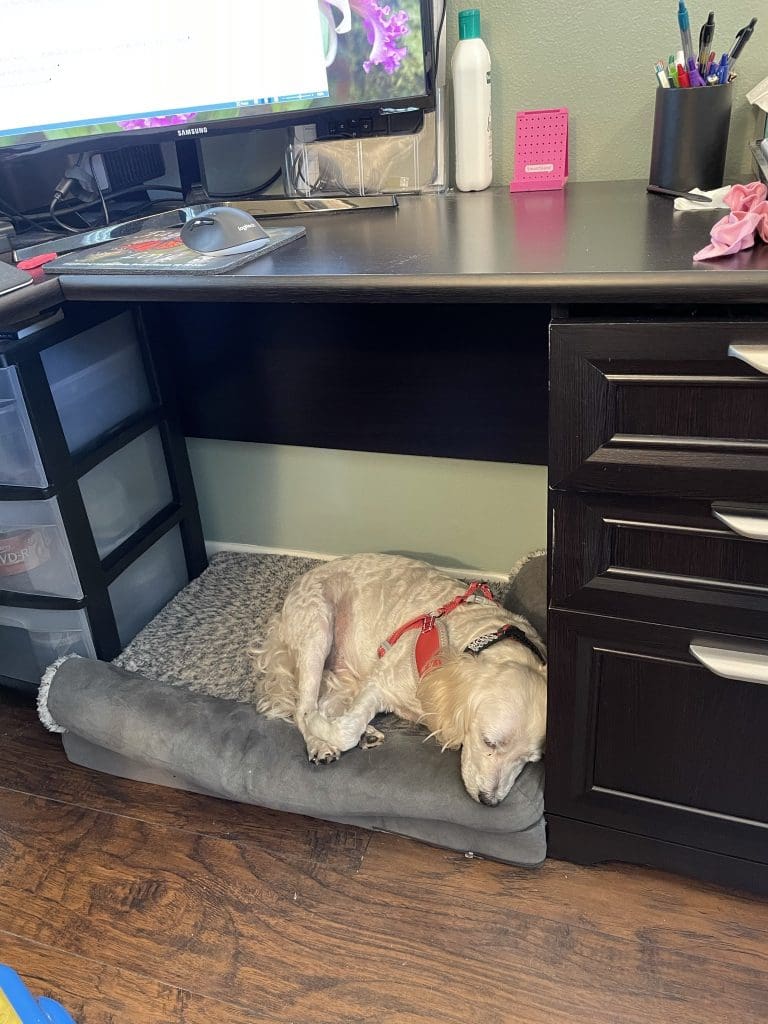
(471, 78)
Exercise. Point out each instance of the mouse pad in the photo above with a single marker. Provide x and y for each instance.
(161, 251)
(12, 278)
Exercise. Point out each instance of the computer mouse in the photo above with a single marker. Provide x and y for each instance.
(223, 230)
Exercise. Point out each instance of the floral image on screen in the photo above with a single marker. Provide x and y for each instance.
(373, 50)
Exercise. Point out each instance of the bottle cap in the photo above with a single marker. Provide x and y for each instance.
(469, 23)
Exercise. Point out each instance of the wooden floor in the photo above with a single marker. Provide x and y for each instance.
(133, 904)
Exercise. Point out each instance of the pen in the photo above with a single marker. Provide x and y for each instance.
(722, 70)
(661, 74)
(706, 35)
(682, 77)
(672, 71)
(685, 32)
(694, 76)
(742, 38)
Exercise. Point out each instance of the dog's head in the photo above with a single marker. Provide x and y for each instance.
(495, 708)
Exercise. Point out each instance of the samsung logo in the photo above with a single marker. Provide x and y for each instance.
(191, 131)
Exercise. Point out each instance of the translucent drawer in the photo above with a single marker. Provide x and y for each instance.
(148, 585)
(126, 490)
(20, 464)
(35, 557)
(97, 379)
(31, 639)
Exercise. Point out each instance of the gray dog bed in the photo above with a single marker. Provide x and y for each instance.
(175, 709)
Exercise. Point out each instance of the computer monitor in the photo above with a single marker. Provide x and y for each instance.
(89, 74)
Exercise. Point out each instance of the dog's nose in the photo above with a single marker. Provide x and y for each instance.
(487, 799)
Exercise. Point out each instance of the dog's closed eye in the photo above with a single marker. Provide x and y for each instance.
(491, 744)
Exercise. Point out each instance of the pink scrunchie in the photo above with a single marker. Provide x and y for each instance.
(737, 230)
(745, 197)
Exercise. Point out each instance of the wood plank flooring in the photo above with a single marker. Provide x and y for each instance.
(134, 904)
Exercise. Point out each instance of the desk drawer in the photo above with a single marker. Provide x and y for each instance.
(660, 408)
(661, 560)
(644, 737)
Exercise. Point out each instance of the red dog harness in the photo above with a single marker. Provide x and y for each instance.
(428, 640)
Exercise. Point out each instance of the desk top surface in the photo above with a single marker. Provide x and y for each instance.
(592, 242)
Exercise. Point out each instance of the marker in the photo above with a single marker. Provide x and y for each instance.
(693, 74)
(685, 32)
(672, 72)
(682, 77)
(706, 35)
(722, 70)
(742, 38)
(662, 76)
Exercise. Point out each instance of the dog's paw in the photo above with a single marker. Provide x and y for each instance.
(321, 752)
(371, 738)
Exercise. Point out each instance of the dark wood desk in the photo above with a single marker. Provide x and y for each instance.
(655, 430)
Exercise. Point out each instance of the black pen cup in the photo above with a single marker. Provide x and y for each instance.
(690, 137)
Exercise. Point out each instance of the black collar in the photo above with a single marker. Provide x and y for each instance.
(510, 632)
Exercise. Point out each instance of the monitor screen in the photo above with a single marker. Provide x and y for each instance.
(89, 68)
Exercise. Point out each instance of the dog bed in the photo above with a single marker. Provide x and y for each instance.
(175, 709)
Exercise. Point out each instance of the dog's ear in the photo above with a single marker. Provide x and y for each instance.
(447, 701)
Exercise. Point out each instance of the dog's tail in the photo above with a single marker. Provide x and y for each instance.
(275, 665)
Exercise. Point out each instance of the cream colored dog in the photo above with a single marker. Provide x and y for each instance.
(331, 661)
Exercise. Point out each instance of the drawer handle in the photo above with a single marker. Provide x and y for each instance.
(742, 665)
(755, 355)
(751, 522)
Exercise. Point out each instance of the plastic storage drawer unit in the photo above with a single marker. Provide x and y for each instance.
(97, 380)
(122, 493)
(35, 556)
(20, 464)
(148, 584)
(32, 638)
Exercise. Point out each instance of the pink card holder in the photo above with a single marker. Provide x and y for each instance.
(541, 150)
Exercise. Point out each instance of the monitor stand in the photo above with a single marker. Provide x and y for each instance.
(195, 190)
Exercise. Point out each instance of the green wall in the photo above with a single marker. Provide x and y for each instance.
(479, 514)
(597, 60)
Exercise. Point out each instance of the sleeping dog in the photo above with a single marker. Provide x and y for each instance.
(371, 633)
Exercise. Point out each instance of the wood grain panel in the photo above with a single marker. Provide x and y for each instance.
(413, 380)
(94, 993)
(298, 921)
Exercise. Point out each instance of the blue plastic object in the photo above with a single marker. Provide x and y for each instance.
(18, 1006)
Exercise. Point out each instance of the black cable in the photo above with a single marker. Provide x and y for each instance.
(250, 191)
(60, 192)
(14, 214)
(98, 189)
(64, 227)
(33, 218)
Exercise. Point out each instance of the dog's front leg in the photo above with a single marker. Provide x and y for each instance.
(352, 726)
(312, 651)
